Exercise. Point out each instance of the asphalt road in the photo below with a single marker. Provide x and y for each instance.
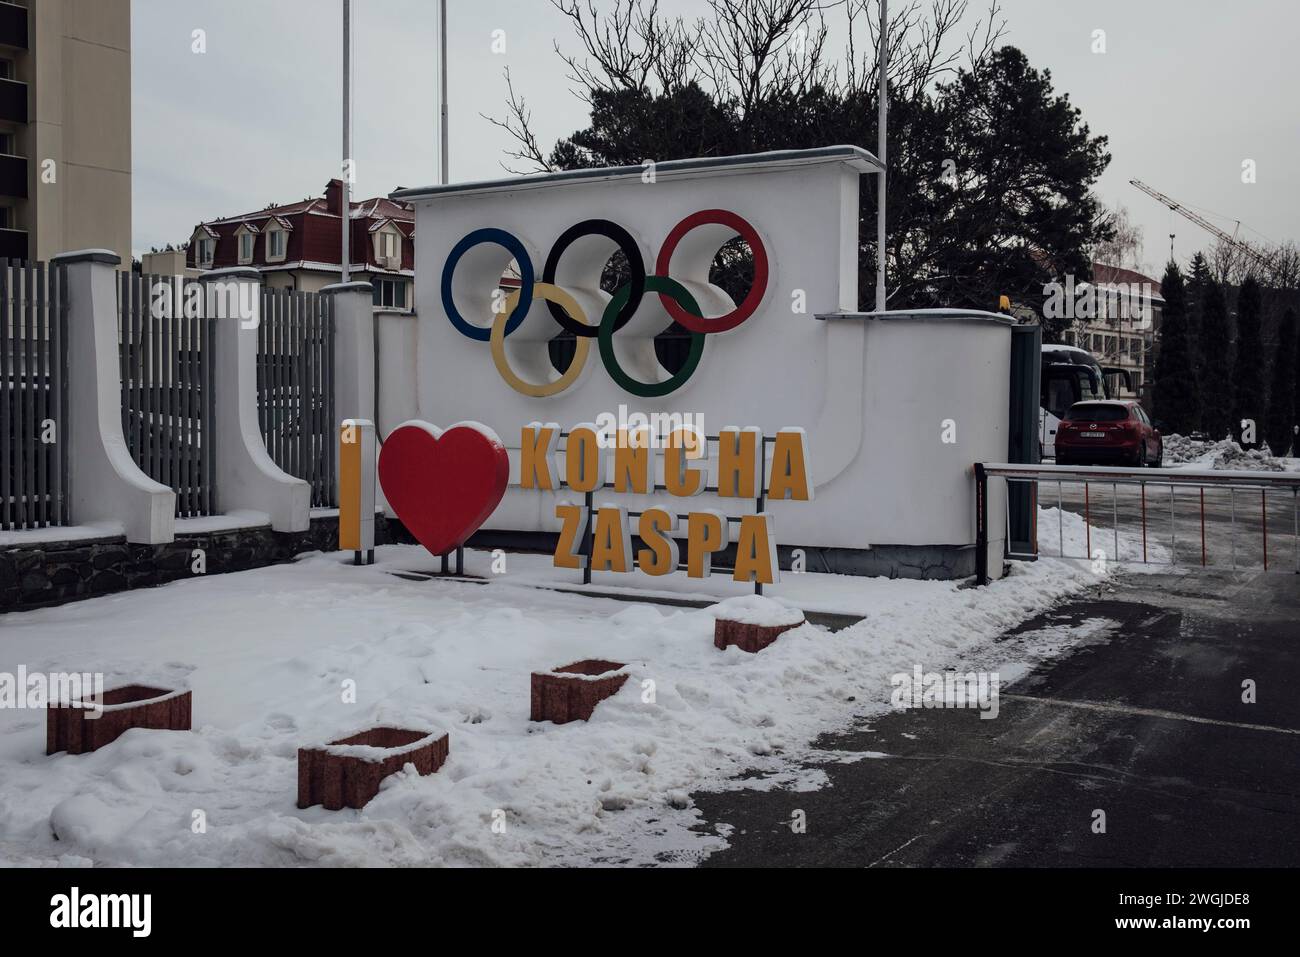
(1148, 727)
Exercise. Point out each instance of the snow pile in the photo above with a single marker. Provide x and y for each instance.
(298, 654)
(1224, 454)
(757, 610)
(1064, 534)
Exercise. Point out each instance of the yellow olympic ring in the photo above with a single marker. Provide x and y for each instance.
(548, 293)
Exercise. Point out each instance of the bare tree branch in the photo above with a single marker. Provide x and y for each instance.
(518, 124)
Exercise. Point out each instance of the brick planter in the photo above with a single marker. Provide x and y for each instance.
(571, 692)
(73, 729)
(347, 772)
(747, 637)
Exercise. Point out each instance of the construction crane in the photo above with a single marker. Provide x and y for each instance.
(1257, 256)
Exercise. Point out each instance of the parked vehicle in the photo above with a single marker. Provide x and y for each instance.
(1108, 432)
(1069, 375)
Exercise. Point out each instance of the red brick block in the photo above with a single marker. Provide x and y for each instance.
(747, 637)
(77, 731)
(347, 772)
(571, 692)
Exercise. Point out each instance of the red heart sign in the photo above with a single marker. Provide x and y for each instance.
(443, 485)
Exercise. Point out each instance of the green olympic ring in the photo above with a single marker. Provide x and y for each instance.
(649, 390)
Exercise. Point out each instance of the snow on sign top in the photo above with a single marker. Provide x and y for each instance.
(853, 156)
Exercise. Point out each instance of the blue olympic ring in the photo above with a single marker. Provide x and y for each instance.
(513, 246)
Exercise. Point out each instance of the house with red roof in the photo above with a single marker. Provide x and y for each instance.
(299, 246)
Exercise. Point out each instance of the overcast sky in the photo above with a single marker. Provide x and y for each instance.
(1186, 90)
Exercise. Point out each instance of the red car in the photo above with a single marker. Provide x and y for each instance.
(1108, 432)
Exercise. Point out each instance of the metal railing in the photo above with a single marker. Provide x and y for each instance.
(295, 387)
(166, 354)
(1147, 512)
(33, 396)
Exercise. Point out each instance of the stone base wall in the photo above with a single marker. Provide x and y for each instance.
(51, 573)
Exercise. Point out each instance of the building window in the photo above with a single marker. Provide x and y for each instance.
(390, 293)
(275, 244)
(8, 144)
(203, 253)
(388, 248)
(245, 247)
(6, 68)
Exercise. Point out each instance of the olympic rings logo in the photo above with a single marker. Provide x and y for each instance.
(621, 307)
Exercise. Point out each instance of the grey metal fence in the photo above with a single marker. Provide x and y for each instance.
(295, 387)
(167, 401)
(1250, 520)
(33, 395)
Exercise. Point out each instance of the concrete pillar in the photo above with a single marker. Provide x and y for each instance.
(354, 354)
(105, 484)
(247, 478)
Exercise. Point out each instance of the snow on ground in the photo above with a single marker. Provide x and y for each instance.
(267, 653)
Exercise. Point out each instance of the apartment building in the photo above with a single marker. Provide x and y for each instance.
(65, 127)
(1121, 326)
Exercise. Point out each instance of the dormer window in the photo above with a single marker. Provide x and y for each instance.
(247, 238)
(388, 246)
(276, 243)
(203, 251)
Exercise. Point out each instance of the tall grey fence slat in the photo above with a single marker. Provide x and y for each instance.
(9, 391)
(167, 402)
(295, 380)
(40, 334)
(33, 396)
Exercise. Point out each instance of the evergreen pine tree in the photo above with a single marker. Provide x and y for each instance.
(1249, 370)
(1282, 405)
(1216, 365)
(1177, 400)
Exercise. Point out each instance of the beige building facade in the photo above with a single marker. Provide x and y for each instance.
(65, 127)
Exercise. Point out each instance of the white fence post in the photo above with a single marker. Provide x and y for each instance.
(354, 355)
(246, 476)
(105, 484)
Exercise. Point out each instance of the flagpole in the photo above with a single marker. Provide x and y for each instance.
(347, 140)
(442, 85)
(883, 58)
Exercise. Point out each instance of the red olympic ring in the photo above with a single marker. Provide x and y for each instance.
(746, 308)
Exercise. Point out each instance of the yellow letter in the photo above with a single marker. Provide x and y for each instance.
(632, 462)
(584, 459)
(789, 471)
(756, 550)
(566, 549)
(738, 463)
(536, 447)
(706, 533)
(656, 528)
(611, 547)
(679, 479)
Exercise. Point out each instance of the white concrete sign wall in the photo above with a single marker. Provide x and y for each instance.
(897, 406)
